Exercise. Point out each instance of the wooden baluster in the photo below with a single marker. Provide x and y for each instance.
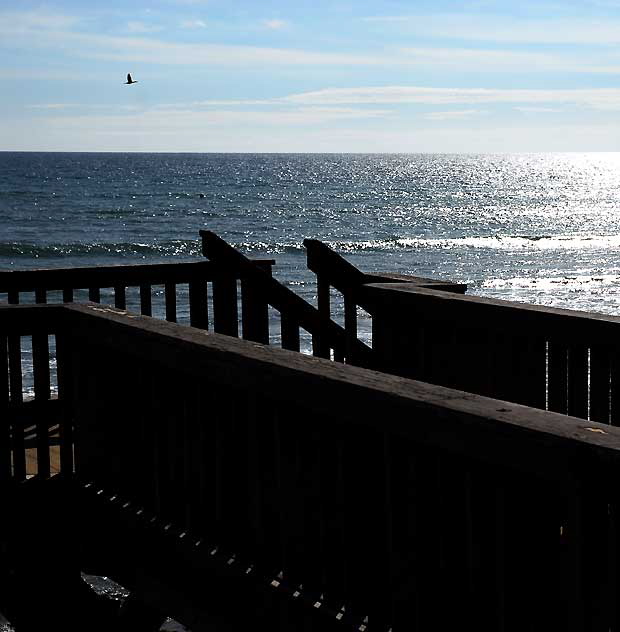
(64, 363)
(171, 301)
(319, 345)
(289, 332)
(557, 377)
(42, 392)
(578, 381)
(367, 529)
(198, 304)
(16, 395)
(225, 310)
(614, 395)
(120, 297)
(350, 326)
(5, 433)
(94, 295)
(600, 370)
(67, 295)
(254, 313)
(146, 301)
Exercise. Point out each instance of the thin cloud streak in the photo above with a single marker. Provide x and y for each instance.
(489, 28)
(600, 98)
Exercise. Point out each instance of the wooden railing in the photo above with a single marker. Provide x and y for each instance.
(556, 359)
(183, 292)
(35, 436)
(329, 340)
(236, 483)
(334, 271)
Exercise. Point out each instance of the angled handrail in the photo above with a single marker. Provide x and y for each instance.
(295, 311)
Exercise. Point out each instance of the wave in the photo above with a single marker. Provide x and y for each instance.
(592, 281)
(191, 247)
(51, 251)
(494, 242)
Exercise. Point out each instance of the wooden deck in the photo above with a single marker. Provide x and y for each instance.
(232, 484)
(32, 462)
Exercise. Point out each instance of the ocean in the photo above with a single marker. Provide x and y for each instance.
(536, 228)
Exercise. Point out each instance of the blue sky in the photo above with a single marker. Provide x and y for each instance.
(275, 76)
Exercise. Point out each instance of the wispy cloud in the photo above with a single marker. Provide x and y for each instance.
(453, 115)
(541, 110)
(497, 28)
(600, 98)
(275, 24)
(193, 24)
(142, 27)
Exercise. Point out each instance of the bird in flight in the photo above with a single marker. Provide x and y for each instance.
(129, 79)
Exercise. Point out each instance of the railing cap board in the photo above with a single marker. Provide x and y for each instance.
(25, 320)
(108, 276)
(550, 445)
(402, 302)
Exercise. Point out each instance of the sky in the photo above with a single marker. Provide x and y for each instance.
(310, 76)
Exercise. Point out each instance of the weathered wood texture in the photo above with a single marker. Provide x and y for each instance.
(554, 359)
(304, 494)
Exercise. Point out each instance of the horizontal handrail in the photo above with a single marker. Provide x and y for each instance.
(50, 279)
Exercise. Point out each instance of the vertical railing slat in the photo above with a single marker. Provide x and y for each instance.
(578, 381)
(5, 432)
(171, 301)
(600, 374)
(289, 329)
(146, 301)
(42, 392)
(120, 296)
(64, 363)
(557, 376)
(254, 313)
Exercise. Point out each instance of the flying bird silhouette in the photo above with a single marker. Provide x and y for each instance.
(129, 79)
